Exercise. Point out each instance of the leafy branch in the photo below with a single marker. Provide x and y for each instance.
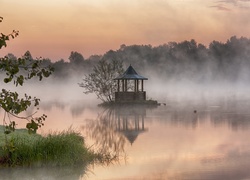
(18, 71)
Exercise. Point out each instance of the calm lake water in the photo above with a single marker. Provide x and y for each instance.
(182, 139)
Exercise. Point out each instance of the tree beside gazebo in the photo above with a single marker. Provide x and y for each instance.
(100, 81)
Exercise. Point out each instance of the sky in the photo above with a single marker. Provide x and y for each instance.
(53, 28)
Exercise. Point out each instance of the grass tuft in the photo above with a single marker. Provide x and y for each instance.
(56, 149)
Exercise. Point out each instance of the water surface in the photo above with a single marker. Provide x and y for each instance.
(195, 139)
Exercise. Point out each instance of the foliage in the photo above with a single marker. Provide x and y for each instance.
(100, 81)
(4, 38)
(188, 60)
(173, 61)
(18, 71)
(76, 58)
(57, 149)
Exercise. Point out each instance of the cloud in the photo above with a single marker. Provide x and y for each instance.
(221, 7)
(235, 3)
(230, 5)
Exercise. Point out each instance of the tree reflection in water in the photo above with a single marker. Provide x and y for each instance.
(115, 126)
(103, 131)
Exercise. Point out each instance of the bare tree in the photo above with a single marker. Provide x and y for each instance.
(100, 81)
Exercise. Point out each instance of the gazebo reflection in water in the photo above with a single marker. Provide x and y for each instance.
(130, 121)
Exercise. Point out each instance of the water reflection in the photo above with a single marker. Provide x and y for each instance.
(130, 121)
(231, 111)
(115, 126)
(180, 141)
(41, 173)
(167, 142)
(103, 131)
(226, 111)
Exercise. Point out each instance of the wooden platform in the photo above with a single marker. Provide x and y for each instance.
(130, 96)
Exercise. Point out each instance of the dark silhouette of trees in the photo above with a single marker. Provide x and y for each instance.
(174, 61)
(75, 57)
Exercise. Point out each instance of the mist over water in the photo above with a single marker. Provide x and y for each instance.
(178, 70)
(198, 132)
(176, 143)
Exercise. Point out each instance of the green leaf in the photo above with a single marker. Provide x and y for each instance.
(6, 80)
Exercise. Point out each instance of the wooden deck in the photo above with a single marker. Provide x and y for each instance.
(130, 96)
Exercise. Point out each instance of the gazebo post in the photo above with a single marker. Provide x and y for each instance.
(126, 85)
(142, 85)
(118, 89)
(135, 86)
(137, 81)
(123, 85)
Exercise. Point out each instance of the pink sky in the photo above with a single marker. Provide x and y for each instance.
(52, 29)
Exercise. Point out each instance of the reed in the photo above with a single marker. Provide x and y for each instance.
(56, 149)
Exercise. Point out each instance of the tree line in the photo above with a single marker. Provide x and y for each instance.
(227, 62)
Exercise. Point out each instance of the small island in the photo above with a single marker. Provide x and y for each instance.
(130, 89)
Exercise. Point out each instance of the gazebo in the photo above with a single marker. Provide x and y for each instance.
(127, 91)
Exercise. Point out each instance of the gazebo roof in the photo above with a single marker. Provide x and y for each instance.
(130, 73)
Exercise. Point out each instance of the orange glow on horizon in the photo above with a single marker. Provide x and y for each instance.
(53, 29)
